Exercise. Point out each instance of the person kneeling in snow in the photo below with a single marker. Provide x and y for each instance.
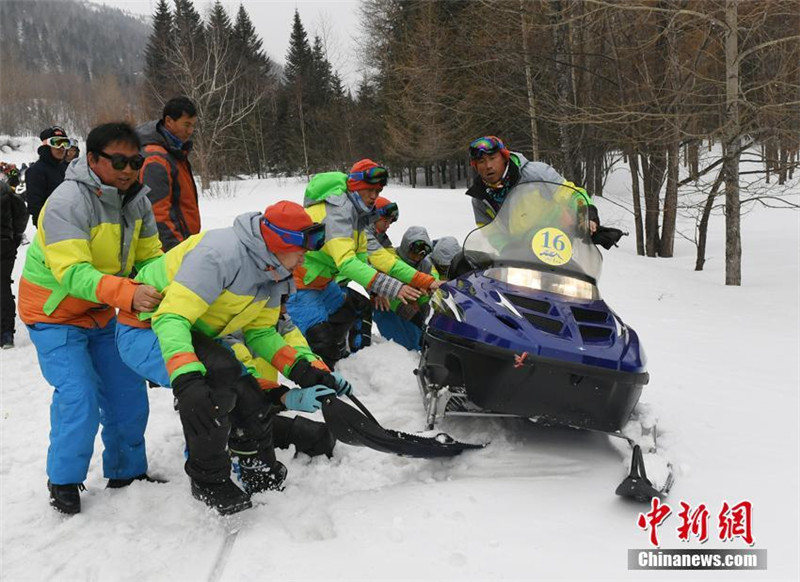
(215, 283)
(403, 323)
(93, 230)
(344, 203)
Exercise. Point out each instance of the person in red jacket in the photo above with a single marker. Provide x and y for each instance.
(166, 144)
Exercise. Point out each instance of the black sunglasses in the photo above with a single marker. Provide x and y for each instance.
(118, 161)
(420, 247)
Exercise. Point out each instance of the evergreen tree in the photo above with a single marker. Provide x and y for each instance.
(249, 45)
(189, 33)
(299, 57)
(159, 46)
(218, 22)
(319, 85)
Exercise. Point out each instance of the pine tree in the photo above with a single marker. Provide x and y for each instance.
(299, 57)
(297, 73)
(157, 53)
(218, 22)
(189, 33)
(248, 44)
(319, 84)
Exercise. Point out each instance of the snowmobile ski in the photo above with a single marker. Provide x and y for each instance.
(359, 428)
(636, 485)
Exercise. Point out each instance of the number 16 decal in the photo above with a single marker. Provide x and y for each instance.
(552, 246)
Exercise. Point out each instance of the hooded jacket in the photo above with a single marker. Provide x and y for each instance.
(413, 234)
(345, 251)
(173, 193)
(43, 176)
(384, 257)
(89, 239)
(444, 251)
(518, 171)
(218, 282)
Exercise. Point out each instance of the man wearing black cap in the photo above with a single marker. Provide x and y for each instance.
(48, 171)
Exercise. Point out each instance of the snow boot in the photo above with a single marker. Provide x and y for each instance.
(308, 436)
(120, 483)
(225, 497)
(66, 498)
(258, 476)
(7, 340)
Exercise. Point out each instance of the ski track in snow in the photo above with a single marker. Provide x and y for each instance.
(536, 503)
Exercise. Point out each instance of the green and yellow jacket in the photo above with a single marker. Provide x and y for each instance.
(344, 254)
(218, 282)
(89, 238)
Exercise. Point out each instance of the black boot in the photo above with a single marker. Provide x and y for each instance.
(66, 498)
(225, 497)
(258, 476)
(120, 483)
(308, 436)
(328, 341)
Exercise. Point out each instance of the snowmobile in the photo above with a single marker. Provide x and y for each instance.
(521, 329)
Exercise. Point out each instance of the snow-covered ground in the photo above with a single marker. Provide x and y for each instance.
(537, 503)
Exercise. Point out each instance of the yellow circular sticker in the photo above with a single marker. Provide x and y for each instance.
(552, 246)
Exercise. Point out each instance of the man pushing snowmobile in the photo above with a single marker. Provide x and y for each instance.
(215, 283)
(322, 310)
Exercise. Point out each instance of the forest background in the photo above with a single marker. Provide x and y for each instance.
(679, 90)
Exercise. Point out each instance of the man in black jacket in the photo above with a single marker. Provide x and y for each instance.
(48, 171)
(13, 217)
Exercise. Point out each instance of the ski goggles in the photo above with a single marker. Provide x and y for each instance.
(374, 175)
(59, 142)
(420, 247)
(311, 238)
(390, 212)
(118, 161)
(485, 146)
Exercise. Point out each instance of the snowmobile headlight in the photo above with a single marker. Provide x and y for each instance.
(544, 281)
(442, 302)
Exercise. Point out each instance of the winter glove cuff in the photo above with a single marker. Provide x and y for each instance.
(385, 286)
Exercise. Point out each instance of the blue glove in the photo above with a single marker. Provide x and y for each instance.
(307, 399)
(343, 387)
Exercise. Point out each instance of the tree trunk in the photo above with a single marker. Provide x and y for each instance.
(693, 153)
(653, 168)
(733, 237)
(784, 163)
(633, 161)
(702, 228)
(451, 171)
(563, 89)
(666, 246)
(303, 131)
(529, 81)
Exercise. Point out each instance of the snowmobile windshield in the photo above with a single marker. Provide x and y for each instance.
(541, 228)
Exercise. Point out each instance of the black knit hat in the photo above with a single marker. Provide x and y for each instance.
(53, 131)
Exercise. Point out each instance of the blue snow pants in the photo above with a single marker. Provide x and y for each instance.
(308, 307)
(395, 328)
(93, 387)
(140, 350)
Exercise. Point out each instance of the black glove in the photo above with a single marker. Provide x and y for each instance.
(305, 375)
(199, 413)
(607, 237)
